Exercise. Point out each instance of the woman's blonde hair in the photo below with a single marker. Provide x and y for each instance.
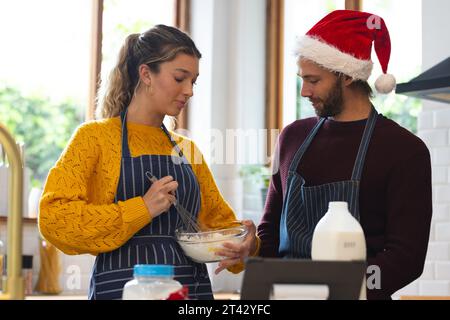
(153, 47)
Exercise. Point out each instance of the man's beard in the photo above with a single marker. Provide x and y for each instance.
(333, 103)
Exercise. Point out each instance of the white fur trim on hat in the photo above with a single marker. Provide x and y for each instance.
(331, 58)
(385, 83)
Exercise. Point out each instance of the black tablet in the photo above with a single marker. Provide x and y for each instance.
(343, 278)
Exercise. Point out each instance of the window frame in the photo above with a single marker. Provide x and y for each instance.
(274, 61)
(274, 67)
(181, 20)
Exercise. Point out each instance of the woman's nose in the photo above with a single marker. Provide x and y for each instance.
(188, 90)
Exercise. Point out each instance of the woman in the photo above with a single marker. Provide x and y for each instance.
(97, 198)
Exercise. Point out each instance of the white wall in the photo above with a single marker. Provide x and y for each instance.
(434, 129)
(230, 91)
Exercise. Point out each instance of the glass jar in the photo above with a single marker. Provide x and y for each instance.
(151, 282)
(27, 273)
(50, 269)
(27, 270)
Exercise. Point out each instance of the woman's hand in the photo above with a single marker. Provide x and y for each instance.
(236, 253)
(160, 196)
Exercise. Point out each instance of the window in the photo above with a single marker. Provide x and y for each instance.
(300, 16)
(44, 78)
(121, 18)
(405, 62)
(46, 61)
(405, 28)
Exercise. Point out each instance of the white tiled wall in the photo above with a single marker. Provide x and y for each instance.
(434, 130)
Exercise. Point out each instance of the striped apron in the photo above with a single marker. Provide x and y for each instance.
(304, 206)
(155, 243)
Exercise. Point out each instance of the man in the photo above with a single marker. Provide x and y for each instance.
(350, 153)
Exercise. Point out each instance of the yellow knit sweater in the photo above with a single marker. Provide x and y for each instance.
(77, 210)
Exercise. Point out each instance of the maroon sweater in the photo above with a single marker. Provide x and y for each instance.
(395, 192)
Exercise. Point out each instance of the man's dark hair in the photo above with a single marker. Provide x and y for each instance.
(363, 87)
(358, 85)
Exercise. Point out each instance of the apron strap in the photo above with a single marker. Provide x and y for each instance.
(367, 135)
(174, 144)
(125, 147)
(299, 154)
(362, 151)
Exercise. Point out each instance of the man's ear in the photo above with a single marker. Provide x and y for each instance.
(346, 80)
(145, 75)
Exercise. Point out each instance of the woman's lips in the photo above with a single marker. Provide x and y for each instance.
(180, 104)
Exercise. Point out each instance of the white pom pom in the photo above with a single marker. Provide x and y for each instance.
(385, 83)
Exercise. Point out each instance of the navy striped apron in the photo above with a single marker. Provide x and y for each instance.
(155, 243)
(304, 206)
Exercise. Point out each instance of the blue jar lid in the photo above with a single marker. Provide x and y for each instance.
(153, 270)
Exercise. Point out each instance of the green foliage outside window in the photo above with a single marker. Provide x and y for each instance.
(402, 109)
(399, 108)
(43, 126)
(256, 174)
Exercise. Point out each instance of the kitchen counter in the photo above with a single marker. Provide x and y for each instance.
(56, 297)
(217, 296)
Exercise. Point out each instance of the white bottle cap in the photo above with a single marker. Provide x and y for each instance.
(338, 205)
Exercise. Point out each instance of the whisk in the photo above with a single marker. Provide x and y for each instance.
(188, 221)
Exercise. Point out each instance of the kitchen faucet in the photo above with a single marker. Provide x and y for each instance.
(13, 284)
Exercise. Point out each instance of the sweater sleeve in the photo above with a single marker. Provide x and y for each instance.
(409, 210)
(68, 219)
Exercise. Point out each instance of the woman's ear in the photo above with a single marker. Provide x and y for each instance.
(145, 75)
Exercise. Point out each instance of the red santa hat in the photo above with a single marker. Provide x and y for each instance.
(342, 42)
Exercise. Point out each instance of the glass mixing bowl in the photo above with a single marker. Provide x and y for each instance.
(202, 246)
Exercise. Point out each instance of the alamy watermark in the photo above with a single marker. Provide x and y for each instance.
(373, 274)
(73, 281)
(374, 22)
(230, 147)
